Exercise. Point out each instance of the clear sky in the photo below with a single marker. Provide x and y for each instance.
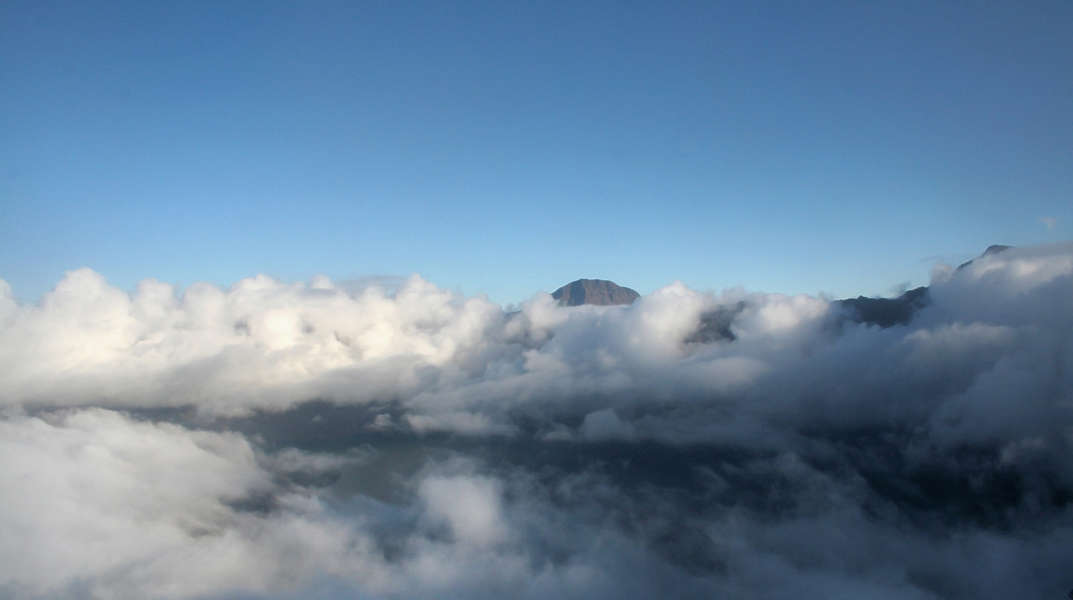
(508, 148)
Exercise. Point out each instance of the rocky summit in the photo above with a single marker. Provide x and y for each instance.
(594, 291)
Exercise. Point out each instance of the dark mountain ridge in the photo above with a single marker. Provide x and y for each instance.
(992, 249)
(715, 325)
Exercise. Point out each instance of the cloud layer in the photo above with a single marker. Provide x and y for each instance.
(321, 440)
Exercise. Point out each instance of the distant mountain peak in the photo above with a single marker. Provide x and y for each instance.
(992, 249)
(600, 292)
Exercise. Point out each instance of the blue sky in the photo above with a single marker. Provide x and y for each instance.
(508, 148)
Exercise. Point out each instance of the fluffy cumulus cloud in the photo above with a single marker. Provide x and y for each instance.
(279, 440)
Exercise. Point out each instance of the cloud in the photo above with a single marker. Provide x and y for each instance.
(605, 425)
(468, 505)
(290, 440)
(123, 508)
(1049, 222)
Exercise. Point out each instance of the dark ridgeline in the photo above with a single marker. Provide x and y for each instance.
(594, 291)
(992, 249)
(715, 325)
(886, 312)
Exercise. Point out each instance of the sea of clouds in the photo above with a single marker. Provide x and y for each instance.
(315, 440)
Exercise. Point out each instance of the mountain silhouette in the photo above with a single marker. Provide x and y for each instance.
(992, 249)
(594, 291)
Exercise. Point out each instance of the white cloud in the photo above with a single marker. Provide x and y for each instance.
(469, 505)
(733, 462)
(130, 509)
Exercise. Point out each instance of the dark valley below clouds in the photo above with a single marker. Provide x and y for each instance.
(313, 440)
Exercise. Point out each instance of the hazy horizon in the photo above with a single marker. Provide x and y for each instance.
(389, 283)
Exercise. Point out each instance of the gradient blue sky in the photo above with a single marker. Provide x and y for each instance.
(508, 148)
